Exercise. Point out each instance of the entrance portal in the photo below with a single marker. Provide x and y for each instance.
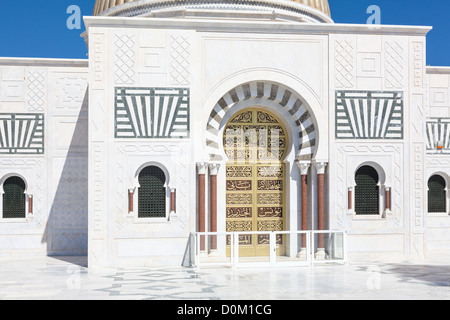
(255, 142)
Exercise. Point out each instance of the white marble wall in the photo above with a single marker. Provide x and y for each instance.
(437, 162)
(57, 179)
(211, 59)
(381, 63)
(136, 58)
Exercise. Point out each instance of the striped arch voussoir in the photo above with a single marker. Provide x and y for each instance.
(285, 98)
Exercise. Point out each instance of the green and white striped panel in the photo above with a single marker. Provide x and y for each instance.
(21, 133)
(152, 113)
(369, 115)
(438, 133)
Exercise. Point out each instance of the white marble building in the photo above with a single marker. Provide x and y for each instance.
(225, 116)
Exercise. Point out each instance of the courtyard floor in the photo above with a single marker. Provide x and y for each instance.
(67, 278)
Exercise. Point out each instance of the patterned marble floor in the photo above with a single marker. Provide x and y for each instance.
(67, 278)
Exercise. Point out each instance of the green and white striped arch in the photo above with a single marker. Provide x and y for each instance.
(284, 97)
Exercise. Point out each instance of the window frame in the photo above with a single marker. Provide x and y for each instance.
(382, 209)
(135, 189)
(446, 190)
(27, 199)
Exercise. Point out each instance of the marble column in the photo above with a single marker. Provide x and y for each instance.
(172, 201)
(320, 167)
(388, 198)
(130, 200)
(304, 167)
(213, 170)
(201, 172)
(350, 199)
(30, 204)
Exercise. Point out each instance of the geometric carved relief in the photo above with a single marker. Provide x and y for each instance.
(125, 57)
(21, 133)
(36, 90)
(152, 113)
(418, 64)
(69, 207)
(180, 65)
(418, 183)
(345, 72)
(369, 115)
(71, 91)
(438, 131)
(394, 64)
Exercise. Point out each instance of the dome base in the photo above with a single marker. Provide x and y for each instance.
(230, 9)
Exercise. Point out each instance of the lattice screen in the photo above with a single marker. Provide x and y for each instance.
(14, 198)
(152, 193)
(436, 194)
(366, 191)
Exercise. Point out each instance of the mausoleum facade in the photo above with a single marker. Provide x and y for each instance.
(262, 118)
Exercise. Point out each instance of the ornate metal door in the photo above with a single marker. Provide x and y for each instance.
(255, 143)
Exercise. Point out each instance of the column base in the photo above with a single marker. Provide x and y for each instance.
(213, 253)
(302, 254)
(320, 254)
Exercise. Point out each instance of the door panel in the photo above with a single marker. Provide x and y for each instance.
(255, 142)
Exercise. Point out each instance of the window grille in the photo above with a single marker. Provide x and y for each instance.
(436, 194)
(366, 191)
(14, 198)
(152, 193)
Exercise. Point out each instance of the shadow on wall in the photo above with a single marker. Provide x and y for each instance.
(66, 232)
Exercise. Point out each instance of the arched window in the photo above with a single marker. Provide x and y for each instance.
(367, 191)
(437, 201)
(152, 193)
(14, 198)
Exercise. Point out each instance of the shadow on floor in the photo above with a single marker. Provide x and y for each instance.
(434, 275)
(81, 261)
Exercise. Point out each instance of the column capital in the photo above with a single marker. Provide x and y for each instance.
(320, 166)
(303, 166)
(214, 168)
(201, 166)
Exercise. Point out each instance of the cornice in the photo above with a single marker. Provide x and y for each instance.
(44, 62)
(273, 27)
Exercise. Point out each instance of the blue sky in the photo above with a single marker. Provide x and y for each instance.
(38, 28)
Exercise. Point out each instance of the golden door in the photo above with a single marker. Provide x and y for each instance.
(255, 143)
